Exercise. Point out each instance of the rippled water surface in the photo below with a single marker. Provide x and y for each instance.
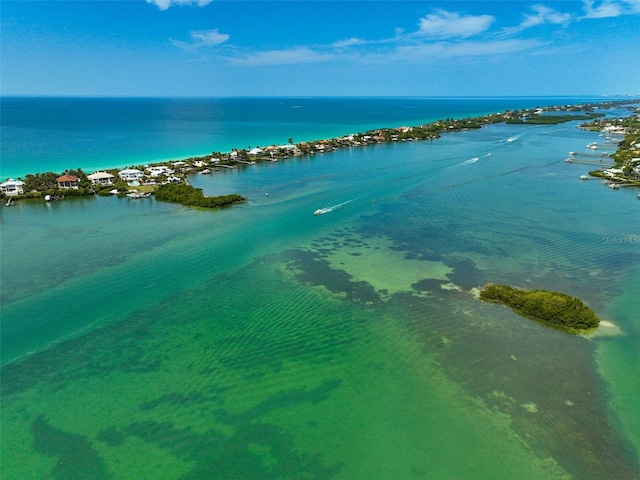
(148, 340)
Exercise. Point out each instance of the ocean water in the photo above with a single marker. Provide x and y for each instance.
(45, 133)
(149, 340)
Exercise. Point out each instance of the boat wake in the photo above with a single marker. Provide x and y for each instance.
(471, 160)
(475, 159)
(322, 211)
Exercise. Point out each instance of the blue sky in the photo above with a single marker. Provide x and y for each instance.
(308, 47)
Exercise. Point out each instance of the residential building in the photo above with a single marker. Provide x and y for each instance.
(101, 178)
(12, 187)
(68, 181)
(130, 174)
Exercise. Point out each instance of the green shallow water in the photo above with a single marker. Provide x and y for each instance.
(145, 340)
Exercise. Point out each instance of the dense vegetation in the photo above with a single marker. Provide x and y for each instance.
(628, 151)
(552, 119)
(193, 197)
(552, 307)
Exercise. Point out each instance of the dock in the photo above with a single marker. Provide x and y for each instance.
(585, 161)
(590, 155)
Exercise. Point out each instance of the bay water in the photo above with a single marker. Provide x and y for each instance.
(149, 340)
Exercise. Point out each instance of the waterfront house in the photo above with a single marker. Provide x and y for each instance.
(158, 170)
(68, 181)
(613, 172)
(256, 151)
(130, 174)
(12, 187)
(101, 178)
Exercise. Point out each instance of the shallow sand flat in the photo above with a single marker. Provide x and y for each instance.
(608, 329)
(389, 271)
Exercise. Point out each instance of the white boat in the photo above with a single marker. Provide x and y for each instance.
(584, 177)
(138, 195)
(322, 211)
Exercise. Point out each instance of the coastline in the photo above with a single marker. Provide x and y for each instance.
(232, 296)
(85, 135)
(180, 169)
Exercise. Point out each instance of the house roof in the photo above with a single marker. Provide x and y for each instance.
(98, 175)
(11, 181)
(67, 178)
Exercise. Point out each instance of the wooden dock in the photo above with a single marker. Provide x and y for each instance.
(608, 163)
(590, 155)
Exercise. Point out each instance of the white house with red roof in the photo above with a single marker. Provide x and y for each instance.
(68, 181)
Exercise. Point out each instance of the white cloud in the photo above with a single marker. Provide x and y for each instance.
(298, 55)
(202, 38)
(544, 15)
(604, 10)
(442, 23)
(350, 42)
(541, 15)
(165, 4)
(209, 37)
(440, 35)
(610, 8)
(415, 53)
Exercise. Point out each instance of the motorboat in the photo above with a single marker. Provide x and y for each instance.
(138, 195)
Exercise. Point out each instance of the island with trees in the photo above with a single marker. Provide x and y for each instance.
(550, 308)
(193, 197)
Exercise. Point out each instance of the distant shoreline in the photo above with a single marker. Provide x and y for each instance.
(180, 169)
(44, 133)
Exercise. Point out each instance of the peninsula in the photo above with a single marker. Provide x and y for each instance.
(142, 180)
(550, 308)
(625, 133)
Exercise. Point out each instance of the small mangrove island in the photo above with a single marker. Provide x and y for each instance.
(193, 197)
(551, 308)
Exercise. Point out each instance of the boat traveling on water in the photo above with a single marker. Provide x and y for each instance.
(138, 195)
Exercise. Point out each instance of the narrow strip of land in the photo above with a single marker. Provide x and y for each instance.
(151, 178)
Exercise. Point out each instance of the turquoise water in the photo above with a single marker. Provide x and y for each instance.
(57, 133)
(148, 340)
